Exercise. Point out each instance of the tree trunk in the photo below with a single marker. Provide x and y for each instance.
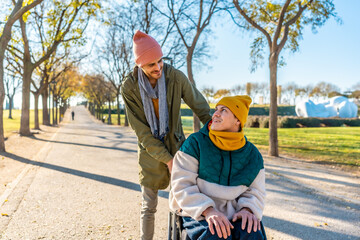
(196, 121)
(126, 124)
(10, 105)
(109, 113)
(56, 111)
(50, 96)
(4, 40)
(53, 108)
(45, 118)
(36, 113)
(101, 112)
(118, 110)
(61, 112)
(25, 108)
(273, 137)
(2, 95)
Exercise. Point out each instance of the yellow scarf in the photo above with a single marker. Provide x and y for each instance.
(228, 141)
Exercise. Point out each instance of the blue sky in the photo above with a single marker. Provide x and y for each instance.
(331, 55)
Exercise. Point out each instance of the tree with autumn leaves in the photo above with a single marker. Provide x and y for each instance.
(97, 91)
(18, 10)
(59, 24)
(68, 84)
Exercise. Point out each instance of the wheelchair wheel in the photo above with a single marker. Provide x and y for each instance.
(175, 229)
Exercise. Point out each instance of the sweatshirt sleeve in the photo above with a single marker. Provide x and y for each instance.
(254, 196)
(138, 123)
(184, 190)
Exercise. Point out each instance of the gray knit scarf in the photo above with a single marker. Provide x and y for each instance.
(159, 127)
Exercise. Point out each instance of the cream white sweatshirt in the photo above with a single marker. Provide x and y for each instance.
(194, 195)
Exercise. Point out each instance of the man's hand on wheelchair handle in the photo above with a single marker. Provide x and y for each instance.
(218, 220)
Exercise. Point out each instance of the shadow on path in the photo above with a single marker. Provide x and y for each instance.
(308, 176)
(96, 177)
(298, 230)
(88, 145)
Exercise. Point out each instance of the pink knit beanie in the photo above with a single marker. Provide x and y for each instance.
(146, 48)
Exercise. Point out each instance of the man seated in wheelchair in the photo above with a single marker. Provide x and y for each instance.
(218, 177)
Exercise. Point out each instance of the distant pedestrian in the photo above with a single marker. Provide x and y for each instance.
(73, 114)
(152, 94)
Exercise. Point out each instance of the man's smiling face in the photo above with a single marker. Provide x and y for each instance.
(224, 120)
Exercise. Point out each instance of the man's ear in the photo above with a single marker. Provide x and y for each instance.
(238, 124)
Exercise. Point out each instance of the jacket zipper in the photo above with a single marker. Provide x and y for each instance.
(229, 169)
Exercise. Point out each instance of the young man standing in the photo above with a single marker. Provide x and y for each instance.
(152, 94)
(218, 179)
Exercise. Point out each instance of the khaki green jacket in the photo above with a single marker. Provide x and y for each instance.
(154, 154)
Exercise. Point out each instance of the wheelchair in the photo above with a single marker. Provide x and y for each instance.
(176, 231)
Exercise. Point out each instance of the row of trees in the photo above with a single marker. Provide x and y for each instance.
(35, 42)
(100, 93)
(181, 27)
(289, 93)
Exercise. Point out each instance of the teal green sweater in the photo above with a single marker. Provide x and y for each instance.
(228, 168)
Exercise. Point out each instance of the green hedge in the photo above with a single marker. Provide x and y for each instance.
(282, 111)
(293, 122)
(113, 111)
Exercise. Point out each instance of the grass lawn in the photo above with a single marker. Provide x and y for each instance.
(114, 118)
(12, 125)
(339, 145)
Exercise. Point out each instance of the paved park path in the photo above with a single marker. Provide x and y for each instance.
(83, 184)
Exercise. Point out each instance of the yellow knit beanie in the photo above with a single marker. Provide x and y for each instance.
(238, 105)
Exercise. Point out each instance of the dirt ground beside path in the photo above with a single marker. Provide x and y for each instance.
(18, 150)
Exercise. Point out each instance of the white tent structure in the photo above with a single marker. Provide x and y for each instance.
(335, 107)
